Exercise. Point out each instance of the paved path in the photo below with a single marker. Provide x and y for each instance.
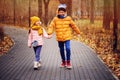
(18, 63)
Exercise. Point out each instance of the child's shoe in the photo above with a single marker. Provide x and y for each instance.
(35, 65)
(63, 64)
(69, 66)
(39, 64)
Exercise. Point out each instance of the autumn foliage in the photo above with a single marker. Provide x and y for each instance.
(98, 35)
(5, 44)
(101, 41)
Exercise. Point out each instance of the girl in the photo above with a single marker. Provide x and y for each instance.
(35, 39)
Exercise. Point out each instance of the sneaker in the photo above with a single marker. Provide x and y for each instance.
(35, 65)
(39, 64)
(63, 64)
(69, 66)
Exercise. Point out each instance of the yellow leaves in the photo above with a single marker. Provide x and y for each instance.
(117, 72)
(5, 45)
(102, 42)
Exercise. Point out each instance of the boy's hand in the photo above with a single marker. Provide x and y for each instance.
(78, 35)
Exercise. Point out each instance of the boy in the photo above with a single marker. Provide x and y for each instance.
(63, 25)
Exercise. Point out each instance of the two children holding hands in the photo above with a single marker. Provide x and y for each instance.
(62, 25)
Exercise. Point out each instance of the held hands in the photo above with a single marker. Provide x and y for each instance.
(78, 35)
(49, 36)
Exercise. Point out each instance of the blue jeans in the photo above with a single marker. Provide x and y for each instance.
(67, 47)
(37, 51)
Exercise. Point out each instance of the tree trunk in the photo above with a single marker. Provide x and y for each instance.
(92, 12)
(1, 33)
(118, 9)
(29, 11)
(3, 16)
(106, 15)
(62, 1)
(46, 3)
(88, 8)
(46, 13)
(40, 9)
(82, 2)
(14, 11)
(115, 26)
(69, 7)
(118, 16)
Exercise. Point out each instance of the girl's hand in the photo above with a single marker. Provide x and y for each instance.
(29, 46)
(49, 36)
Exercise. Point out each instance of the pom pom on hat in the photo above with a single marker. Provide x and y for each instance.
(62, 6)
(34, 19)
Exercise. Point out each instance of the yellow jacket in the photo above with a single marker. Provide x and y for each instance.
(63, 28)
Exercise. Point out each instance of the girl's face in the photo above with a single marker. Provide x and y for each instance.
(38, 23)
(62, 13)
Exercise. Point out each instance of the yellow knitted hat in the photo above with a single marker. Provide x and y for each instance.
(34, 19)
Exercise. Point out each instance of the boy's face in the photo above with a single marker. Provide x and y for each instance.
(62, 13)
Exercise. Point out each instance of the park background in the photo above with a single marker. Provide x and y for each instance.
(98, 21)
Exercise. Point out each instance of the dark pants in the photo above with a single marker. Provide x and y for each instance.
(62, 48)
(37, 51)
